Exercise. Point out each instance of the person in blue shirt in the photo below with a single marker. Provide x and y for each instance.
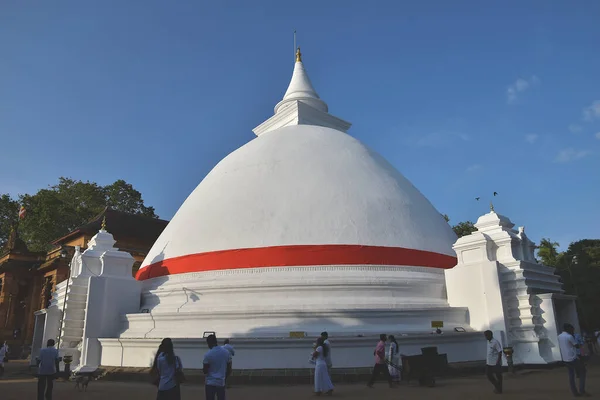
(48, 367)
(168, 365)
(216, 367)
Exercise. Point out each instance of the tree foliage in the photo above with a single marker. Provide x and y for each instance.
(579, 269)
(462, 228)
(547, 252)
(59, 209)
(122, 196)
(9, 210)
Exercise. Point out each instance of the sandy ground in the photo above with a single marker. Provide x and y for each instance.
(540, 384)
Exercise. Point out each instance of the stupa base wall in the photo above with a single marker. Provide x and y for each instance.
(280, 291)
(288, 353)
(278, 323)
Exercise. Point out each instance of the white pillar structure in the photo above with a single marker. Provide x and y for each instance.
(100, 289)
(508, 292)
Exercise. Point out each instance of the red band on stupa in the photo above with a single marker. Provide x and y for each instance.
(305, 255)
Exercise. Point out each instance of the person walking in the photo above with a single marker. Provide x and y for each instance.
(575, 366)
(322, 379)
(48, 368)
(394, 365)
(216, 366)
(227, 346)
(380, 365)
(231, 351)
(3, 354)
(493, 367)
(168, 369)
(327, 343)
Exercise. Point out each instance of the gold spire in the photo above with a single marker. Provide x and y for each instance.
(103, 226)
(298, 55)
(492, 207)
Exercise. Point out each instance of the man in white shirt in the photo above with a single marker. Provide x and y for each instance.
(325, 337)
(493, 368)
(227, 346)
(47, 370)
(231, 351)
(216, 368)
(568, 351)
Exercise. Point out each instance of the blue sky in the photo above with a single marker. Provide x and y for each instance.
(464, 98)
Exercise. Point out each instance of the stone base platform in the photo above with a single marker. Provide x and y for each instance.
(291, 353)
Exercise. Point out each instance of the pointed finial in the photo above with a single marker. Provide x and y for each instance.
(103, 226)
(298, 55)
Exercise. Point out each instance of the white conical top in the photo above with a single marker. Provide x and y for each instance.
(301, 105)
(301, 89)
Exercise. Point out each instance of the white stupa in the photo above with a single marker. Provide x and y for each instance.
(303, 222)
(303, 230)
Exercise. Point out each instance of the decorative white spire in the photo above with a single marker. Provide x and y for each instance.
(301, 105)
(301, 89)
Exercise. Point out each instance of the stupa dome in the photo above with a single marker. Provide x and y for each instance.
(303, 193)
(306, 225)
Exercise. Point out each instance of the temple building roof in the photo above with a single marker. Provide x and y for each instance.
(120, 224)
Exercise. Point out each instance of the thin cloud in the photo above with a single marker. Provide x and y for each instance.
(592, 111)
(597, 135)
(574, 128)
(474, 167)
(570, 154)
(519, 86)
(531, 138)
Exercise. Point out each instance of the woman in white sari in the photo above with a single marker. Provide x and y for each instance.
(394, 360)
(322, 380)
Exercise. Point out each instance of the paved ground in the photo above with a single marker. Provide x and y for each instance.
(540, 384)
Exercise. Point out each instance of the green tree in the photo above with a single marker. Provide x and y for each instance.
(59, 209)
(587, 252)
(9, 214)
(548, 253)
(122, 196)
(579, 269)
(464, 228)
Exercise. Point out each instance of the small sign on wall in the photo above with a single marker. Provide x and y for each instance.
(297, 335)
(437, 324)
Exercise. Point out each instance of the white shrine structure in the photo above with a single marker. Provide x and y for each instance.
(304, 230)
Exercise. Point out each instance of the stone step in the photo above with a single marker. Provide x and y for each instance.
(70, 338)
